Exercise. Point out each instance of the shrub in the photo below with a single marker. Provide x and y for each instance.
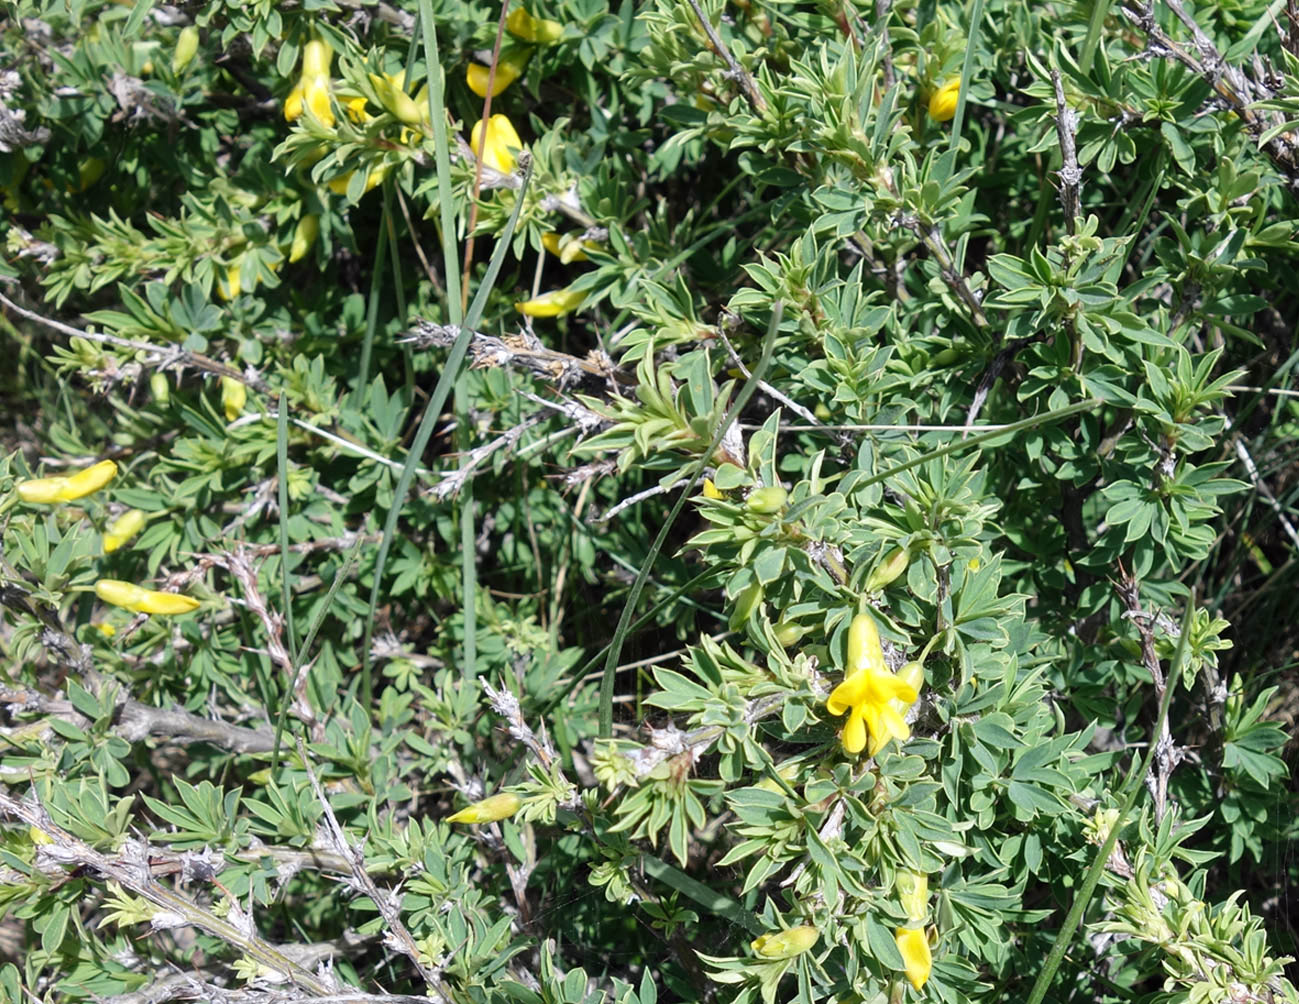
(783, 502)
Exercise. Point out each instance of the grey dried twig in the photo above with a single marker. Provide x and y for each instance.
(734, 70)
(519, 351)
(129, 868)
(387, 903)
(1066, 127)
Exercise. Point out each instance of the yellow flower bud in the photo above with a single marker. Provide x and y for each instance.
(914, 947)
(68, 487)
(888, 569)
(556, 303)
(186, 47)
(143, 601)
(864, 649)
(373, 180)
(766, 501)
(913, 893)
(785, 944)
(234, 395)
(123, 529)
(498, 146)
(489, 810)
(537, 30)
(942, 105)
(304, 235)
(395, 99)
(711, 491)
(38, 836)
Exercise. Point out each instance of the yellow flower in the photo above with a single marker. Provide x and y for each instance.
(489, 810)
(867, 693)
(537, 30)
(568, 248)
(375, 178)
(304, 235)
(68, 487)
(500, 144)
(143, 601)
(913, 893)
(123, 529)
(914, 947)
(234, 395)
(508, 69)
(785, 944)
(942, 104)
(711, 491)
(315, 92)
(556, 303)
(356, 111)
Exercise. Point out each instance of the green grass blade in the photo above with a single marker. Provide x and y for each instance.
(967, 68)
(710, 899)
(1128, 794)
(372, 312)
(1100, 10)
(445, 382)
(624, 622)
(286, 566)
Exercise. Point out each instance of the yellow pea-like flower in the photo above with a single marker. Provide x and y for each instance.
(123, 529)
(556, 303)
(499, 145)
(68, 487)
(316, 57)
(488, 810)
(141, 600)
(508, 70)
(942, 104)
(914, 947)
(785, 944)
(304, 235)
(568, 248)
(234, 395)
(375, 178)
(537, 30)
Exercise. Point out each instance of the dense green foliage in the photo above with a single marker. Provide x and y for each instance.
(564, 476)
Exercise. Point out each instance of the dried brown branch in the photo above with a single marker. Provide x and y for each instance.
(734, 70)
(1167, 754)
(520, 351)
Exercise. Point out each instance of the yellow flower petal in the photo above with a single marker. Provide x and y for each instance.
(914, 947)
(556, 303)
(488, 810)
(506, 73)
(123, 529)
(499, 145)
(143, 601)
(68, 487)
(942, 105)
(293, 103)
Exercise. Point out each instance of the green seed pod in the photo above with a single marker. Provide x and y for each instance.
(160, 388)
(395, 99)
(766, 501)
(186, 47)
(888, 569)
(788, 633)
(745, 604)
